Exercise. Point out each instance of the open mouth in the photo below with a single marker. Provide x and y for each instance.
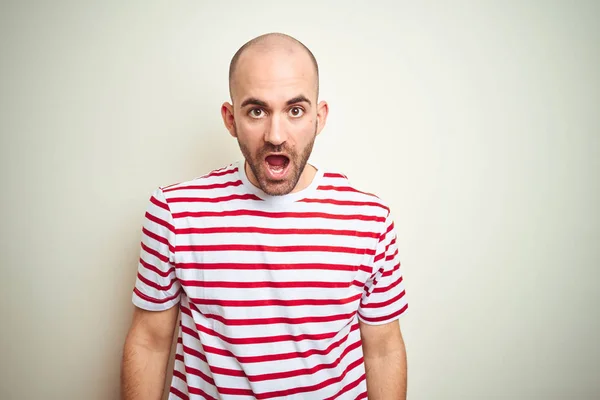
(277, 166)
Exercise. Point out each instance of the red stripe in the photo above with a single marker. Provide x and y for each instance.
(266, 357)
(257, 213)
(155, 253)
(155, 285)
(220, 172)
(386, 288)
(358, 283)
(273, 267)
(363, 395)
(286, 374)
(236, 392)
(311, 388)
(215, 199)
(264, 284)
(345, 203)
(158, 203)
(388, 230)
(383, 303)
(274, 231)
(365, 268)
(158, 238)
(343, 189)
(210, 381)
(384, 252)
(334, 175)
(200, 392)
(274, 302)
(338, 188)
(191, 351)
(156, 270)
(391, 271)
(391, 256)
(280, 320)
(349, 387)
(159, 221)
(206, 187)
(182, 377)
(177, 392)
(191, 389)
(229, 372)
(261, 339)
(273, 249)
(195, 371)
(306, 371)
(153, 300)
(385, 317)
(383, 256)
(391, 243)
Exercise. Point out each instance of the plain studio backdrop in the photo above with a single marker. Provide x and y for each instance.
(478, 122)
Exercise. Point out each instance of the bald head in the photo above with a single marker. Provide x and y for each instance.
(270, 45)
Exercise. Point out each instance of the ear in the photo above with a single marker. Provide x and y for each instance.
(322, 112)
(228, 118)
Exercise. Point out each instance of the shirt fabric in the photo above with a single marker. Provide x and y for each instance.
(270, 288)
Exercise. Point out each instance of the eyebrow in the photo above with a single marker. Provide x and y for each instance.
(253, 101)
(257, 102)
(298, 99)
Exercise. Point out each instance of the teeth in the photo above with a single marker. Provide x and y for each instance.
(276, 168)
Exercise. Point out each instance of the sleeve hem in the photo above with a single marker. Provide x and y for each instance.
(383, 319)
(150, 306)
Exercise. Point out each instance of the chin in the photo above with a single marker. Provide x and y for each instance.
(277, 189)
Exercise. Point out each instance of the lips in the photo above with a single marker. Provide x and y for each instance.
(277, 166)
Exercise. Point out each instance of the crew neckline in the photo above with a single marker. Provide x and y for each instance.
(284, 199)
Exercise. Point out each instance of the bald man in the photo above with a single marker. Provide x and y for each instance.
(285, 277)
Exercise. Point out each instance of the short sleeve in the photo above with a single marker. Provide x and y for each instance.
(156, 286)
(384, 299)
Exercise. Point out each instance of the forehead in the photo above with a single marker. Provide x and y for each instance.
(274, 76)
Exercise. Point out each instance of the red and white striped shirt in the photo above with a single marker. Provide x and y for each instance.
(270, 288)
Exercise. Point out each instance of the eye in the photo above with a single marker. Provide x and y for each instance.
(256, 113)
(296, 112)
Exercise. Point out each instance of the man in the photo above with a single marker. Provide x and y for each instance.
(287, 278)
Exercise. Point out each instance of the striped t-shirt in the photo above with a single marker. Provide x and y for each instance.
(270, 288)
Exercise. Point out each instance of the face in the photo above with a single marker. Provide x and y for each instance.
(275, 118)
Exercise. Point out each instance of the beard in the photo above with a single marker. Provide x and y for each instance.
(297, 163)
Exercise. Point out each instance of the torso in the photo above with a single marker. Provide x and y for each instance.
(271, 287)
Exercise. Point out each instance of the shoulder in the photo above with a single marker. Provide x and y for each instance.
(221, 178)
(337, 186)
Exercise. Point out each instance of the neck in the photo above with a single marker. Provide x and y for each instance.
(306, 178)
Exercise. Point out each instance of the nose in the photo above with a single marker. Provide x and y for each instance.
(276, 131)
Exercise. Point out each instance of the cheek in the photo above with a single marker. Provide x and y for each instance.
(303, 131)
(250, 131)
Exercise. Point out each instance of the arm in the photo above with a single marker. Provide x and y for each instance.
(146, 354)
(385, 361)
(156, 294)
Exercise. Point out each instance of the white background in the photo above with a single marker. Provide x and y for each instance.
(478, 122)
